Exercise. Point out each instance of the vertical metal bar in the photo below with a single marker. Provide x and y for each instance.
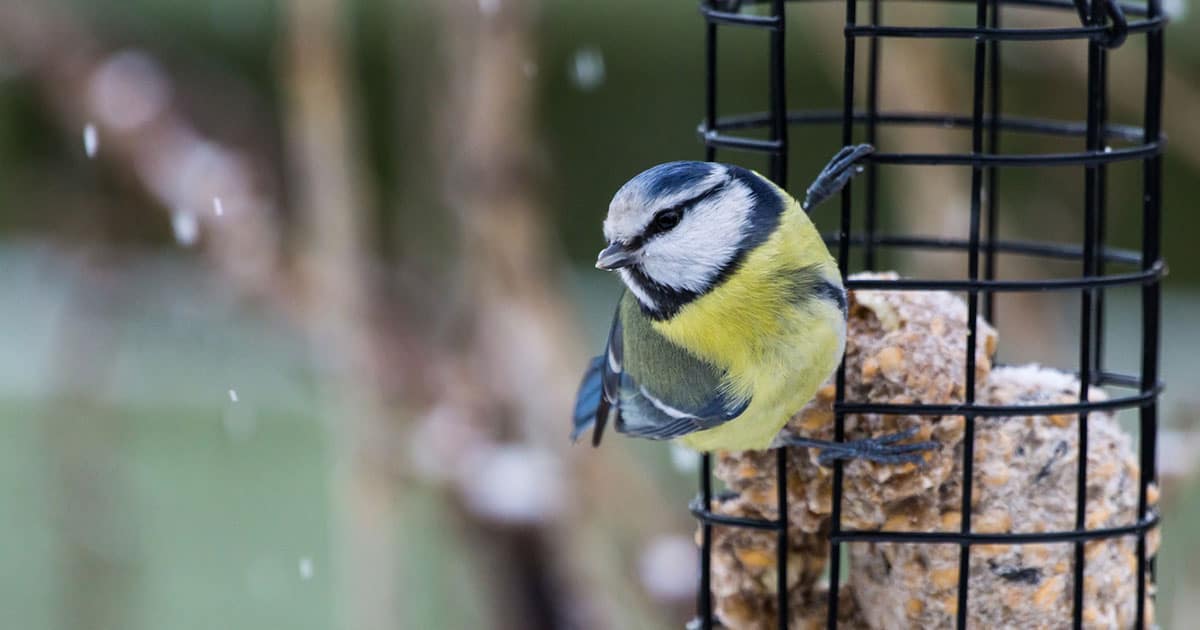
(1151, 293)
(992, 209)
(964, 555)
(1095, 97)
(1101, 215)
(778, 96)
(704, 592)
(710, 86)
(839, 419)
(779, 164)
(872, 174)
(782, 545)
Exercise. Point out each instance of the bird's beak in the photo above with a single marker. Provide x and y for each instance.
(615, 256)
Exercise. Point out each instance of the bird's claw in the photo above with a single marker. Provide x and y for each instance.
(884, 449)
(836, 174)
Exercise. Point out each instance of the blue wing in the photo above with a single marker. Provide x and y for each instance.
(587, 401)
(599, 392)
(649, 386)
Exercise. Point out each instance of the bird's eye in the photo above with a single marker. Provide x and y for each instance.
(666, 220)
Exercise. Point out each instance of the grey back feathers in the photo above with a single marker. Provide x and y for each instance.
(691, 224)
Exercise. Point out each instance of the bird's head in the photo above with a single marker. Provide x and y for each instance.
(677, 230)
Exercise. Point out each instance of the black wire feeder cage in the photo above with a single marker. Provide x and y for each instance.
(1103, 25)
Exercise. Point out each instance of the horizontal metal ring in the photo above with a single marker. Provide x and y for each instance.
(1077, 158)
(1111, 35)
(696, 506)
(1140, 399)
(1097, 32)
(717, 16)
(1129, 8)
(1069, 128)
(1139, 151)
(724, 141)
(1142, 526)
(1146, 276)
(961, 538)
(1058, 251)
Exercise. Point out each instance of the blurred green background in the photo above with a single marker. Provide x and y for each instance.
(295, 346)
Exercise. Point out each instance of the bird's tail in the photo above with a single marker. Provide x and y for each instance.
(589, 400)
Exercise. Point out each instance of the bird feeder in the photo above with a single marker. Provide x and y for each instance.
(1038, 510)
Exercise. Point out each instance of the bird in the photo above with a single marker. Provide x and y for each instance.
(733, 312)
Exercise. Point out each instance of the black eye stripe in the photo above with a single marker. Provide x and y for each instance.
(668, 215)
(654, 228)
(663, 221)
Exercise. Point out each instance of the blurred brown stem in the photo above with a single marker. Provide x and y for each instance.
(333, 215)
(522, 357)
(518, 325)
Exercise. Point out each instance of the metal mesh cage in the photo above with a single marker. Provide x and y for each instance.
(1104, 25)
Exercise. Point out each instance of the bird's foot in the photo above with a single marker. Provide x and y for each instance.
(884, 449)
(836, 174)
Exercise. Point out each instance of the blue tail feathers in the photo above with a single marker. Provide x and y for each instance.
(589, 398)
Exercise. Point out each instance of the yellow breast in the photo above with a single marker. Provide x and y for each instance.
(774, 348)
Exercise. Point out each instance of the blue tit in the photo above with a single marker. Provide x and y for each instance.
(733, 315)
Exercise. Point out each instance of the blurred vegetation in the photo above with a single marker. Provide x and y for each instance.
(644, 112)
(215, 503)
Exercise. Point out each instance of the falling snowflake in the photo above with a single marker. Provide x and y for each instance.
(91, 140)
(587, 69)
(185, 227)
(306, 568)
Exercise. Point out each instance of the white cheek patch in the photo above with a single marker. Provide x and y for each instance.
(691, 256)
